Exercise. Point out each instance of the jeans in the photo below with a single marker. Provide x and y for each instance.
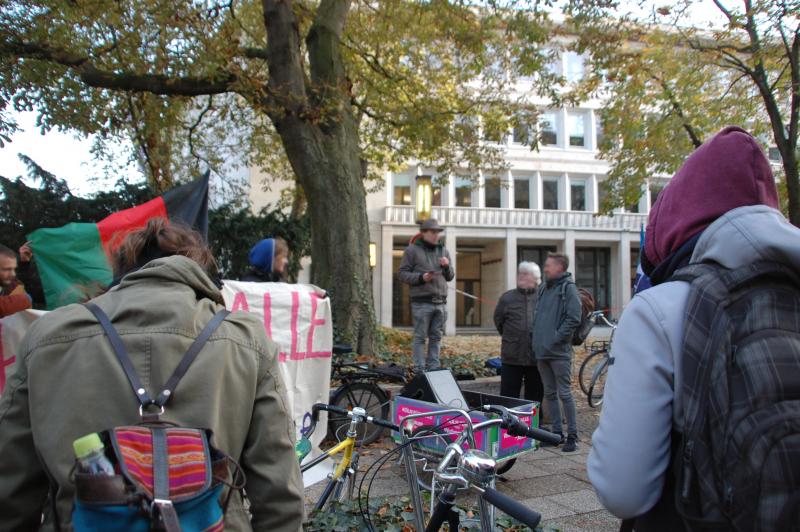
(429, 319)
(512, 377)
(557, 378)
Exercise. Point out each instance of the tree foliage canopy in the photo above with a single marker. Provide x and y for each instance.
(188, 82)
(671, 84)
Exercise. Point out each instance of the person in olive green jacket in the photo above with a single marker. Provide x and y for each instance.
(68, 383)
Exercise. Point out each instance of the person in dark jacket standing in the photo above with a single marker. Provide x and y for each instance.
(427, 269)
(558, 314)
(268, 260)
(513, 318)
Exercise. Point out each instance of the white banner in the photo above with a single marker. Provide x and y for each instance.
(12, 329)
(298, 320)
(294, 316)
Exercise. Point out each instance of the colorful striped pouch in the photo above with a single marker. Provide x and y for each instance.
(172, 469)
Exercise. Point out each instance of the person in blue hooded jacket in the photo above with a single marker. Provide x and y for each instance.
(268, 261)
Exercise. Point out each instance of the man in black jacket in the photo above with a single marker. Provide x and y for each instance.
(426, 268)
(513, 318)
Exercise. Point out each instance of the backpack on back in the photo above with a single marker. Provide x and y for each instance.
(738, 463)
(587, 307)
(166, 477)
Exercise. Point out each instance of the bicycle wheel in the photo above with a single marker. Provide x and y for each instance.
(369, 397)
(598, 385)
(586, 372)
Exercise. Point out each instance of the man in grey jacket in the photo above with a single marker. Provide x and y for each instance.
(426, 268)
(558, 314)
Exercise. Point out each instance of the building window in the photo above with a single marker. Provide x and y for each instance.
(548, 128)
(401, 305)
(436, 198)
(522, 193)
(550, 194)
(593, 272)
(522, 134)
(574, 67)
(655, 190)
(553, 62)
(537, 254)
(468, 310)
(402, 190)
(774, 155)
(492, 193)
(576, 129)
(577, 192)
(598, 131)
(633, 207)
(602, 192)
(463, 192)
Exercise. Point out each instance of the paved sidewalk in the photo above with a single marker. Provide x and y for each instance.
(549, 481)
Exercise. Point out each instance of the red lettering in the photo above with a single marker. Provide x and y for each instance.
(4, 362)
(240, 302)
(314, 323)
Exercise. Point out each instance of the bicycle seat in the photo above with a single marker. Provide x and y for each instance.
(342, 349)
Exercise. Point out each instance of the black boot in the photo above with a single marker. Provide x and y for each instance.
(571, 445)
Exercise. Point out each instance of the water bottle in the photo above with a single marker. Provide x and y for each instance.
(89, 451)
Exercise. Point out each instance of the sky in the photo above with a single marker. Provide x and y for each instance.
(68, 156)
(65, 155)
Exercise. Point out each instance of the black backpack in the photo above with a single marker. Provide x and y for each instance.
(737, 466)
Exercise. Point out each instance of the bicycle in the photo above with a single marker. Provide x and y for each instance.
(341, 482)
(358, 388)
(473, 470)
(592, 374)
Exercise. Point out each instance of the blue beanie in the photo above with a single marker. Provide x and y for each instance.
(262, 255)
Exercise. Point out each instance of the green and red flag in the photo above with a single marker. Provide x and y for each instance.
(74, 261)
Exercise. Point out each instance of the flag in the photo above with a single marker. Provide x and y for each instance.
(642, 281)
(74, 261)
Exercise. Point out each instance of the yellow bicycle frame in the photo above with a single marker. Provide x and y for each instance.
(346, 447)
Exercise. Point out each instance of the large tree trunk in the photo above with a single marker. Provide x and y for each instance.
(792, 172)
(327, 169)
(315, 120)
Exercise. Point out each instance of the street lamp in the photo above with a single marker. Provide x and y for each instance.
(373, 254)
(424, 198)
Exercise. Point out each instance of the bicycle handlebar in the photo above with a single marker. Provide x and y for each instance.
(601, 315)
(341, 411)
(516, 427)
(513, 508)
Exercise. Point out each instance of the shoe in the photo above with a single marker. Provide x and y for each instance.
(548, 444)
(571, 445)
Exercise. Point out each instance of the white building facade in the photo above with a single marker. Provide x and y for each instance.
(547, 200)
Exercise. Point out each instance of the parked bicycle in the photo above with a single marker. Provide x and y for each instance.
(358, 387)
(592, 374)
(342, 481)
(462, 467)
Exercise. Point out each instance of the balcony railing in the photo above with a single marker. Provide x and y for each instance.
(519, 218)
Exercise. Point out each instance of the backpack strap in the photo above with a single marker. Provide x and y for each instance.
(161, 499)
(190, 355)
(122, 355)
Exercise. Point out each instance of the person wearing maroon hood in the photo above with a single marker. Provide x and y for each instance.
(720, 207)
